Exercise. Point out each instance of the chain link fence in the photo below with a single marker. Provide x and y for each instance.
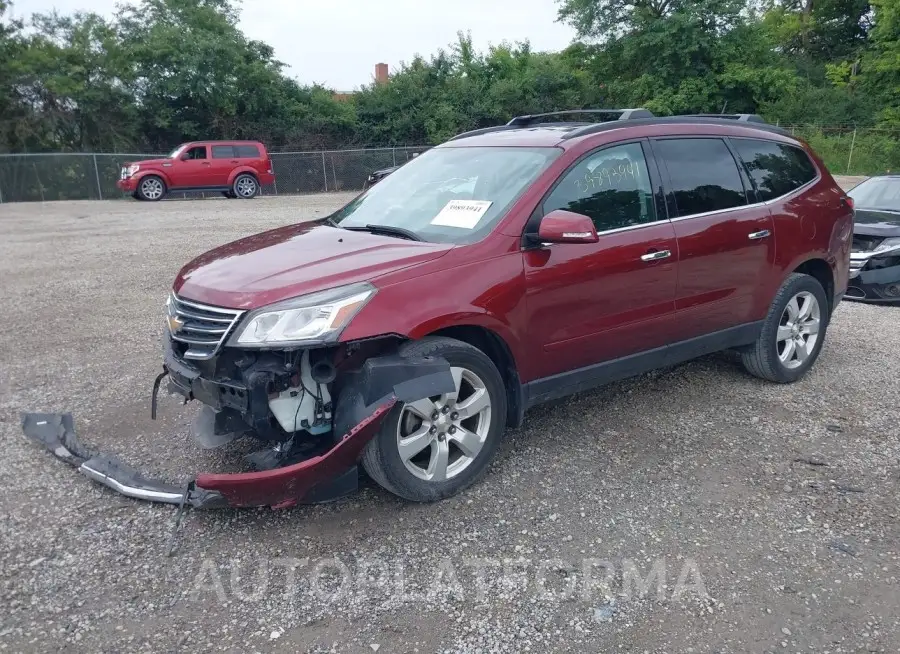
(852, 151)
(93, 176)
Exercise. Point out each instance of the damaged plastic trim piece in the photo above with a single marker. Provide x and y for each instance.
(368, 396)
(278, 488)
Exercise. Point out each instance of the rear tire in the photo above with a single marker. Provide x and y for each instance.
(792, 334)
(443, 455)
(245, 186)
(151, 188)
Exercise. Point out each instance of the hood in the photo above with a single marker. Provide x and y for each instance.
(149, 162)
(295, 260)
(873, 222)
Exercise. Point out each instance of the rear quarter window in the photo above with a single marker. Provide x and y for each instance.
(246, 151)
(222, 152)
(775, 168)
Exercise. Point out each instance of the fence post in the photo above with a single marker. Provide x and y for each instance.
(852, 143)
(324, 171)
(97, 176)
(394, 153)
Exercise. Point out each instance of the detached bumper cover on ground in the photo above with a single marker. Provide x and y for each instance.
(330, 474)
(278, 488)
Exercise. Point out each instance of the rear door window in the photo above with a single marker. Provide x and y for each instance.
(222, 152)
(703, 174)
(246, 151)
(611, 186)
(775, 168)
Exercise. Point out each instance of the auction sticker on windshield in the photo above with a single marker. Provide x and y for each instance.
(464, 214)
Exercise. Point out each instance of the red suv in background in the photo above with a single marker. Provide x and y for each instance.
(507, 267)
(236, 168)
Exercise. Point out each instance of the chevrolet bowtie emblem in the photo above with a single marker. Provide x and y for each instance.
(175, 323)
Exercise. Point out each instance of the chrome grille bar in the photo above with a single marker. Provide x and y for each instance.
(203, 328)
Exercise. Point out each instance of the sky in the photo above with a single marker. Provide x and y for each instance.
(338, 42)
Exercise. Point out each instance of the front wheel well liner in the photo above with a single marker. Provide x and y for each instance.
(493, 345)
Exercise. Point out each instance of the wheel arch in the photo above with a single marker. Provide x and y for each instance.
(821, 271)
(241, 170)
(498, 350)
(154, 173)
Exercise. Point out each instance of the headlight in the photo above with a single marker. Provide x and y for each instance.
(319, 317)
(132, 169)
(887, 245)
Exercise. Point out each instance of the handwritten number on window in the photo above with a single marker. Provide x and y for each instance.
(608, 177)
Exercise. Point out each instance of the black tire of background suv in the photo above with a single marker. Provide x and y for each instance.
(381, 458)
(761, 358)
(235, 183)
(141, 195)
(229, 194)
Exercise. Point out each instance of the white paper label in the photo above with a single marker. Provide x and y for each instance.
(462, 213)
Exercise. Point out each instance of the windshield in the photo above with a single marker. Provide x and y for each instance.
(449, 195)
(877, 193)
(174, 153)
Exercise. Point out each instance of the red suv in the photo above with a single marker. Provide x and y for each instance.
(236, 168)
(507, 267)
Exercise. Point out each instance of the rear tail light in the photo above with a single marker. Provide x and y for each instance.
(848, 201)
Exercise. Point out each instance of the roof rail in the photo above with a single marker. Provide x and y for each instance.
(745, 118)
(620, 114)
(712, 119)
(637, 116)
(483, 130)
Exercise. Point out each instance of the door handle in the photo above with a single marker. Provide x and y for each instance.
(205, 163)
(653, 256)
(755, 236)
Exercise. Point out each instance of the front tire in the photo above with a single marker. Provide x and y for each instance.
(245, 186)
(792, 334)
(151, 188)
(433, 448)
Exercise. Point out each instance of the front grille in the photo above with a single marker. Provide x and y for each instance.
(866, 243)
(200, 327)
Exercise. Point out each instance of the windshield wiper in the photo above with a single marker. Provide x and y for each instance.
(385, 230)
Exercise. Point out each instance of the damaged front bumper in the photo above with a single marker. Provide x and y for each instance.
(309, 480)
(368, 395)
(874, 278)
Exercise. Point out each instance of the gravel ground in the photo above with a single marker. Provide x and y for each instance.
(768, 514)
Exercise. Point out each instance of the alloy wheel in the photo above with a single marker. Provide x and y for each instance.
(798, 329)
(440, 436)
(246, 187)
(152, 188)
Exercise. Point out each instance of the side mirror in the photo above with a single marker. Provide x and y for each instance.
(561, 226)
(185, 156)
